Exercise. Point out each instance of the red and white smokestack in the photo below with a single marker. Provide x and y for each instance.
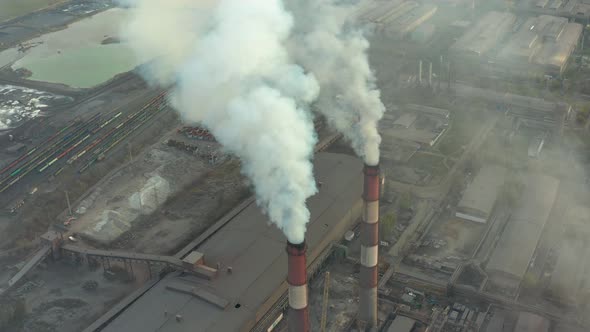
(369, 247)
(298, 317)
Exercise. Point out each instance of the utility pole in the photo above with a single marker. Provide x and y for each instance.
(420, 72)
(130, 153)
(68, 201)
(325, 302)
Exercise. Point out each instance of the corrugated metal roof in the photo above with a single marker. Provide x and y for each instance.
(520, 237)
(486, 34)
(481, 193)
(528, 322)
(401, 324)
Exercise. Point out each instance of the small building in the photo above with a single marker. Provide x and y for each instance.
(480, 196)
(528, 322)
(194, 259)
(401, 324)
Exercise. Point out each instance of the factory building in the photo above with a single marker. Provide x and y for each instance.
(528, 322)
(567, 285)
(480, 195)
(401, 324)
(573, 9)
(539, 46)
(253, 265)
(417, 124)
(542, 46)
(477, 43)
(514, 250)
(396, 19)
(531, 112)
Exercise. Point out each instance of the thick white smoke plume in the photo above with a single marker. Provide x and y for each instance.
(233, 74)
(328, 44)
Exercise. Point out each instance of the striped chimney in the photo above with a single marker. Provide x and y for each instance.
(298, 317)
(369, 247)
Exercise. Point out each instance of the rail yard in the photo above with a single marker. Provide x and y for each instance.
(79, 144)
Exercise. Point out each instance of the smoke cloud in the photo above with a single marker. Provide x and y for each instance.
(232, 73)
(328, 44)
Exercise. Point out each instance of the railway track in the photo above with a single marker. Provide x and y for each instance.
(84, 141)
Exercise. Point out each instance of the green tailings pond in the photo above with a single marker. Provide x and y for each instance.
(81, 68)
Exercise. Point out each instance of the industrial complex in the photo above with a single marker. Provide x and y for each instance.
(117, 213)
(541, 45)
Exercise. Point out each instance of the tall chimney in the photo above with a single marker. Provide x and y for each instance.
(369, 248)
(298, 317)
(430, 75)
(420, 72)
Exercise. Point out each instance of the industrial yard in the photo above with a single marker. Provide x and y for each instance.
(118, 213)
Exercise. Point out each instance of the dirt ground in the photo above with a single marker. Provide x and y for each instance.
(55, 299)
(191, 195)
(189, 212)
(41, 210)
(343, 296)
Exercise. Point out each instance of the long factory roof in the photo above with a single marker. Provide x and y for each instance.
(520, 237)
(485, 34)
(543, 40)
(480, 195)
(256, 252)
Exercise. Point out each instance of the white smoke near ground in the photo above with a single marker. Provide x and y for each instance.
(328, 44)
(233, 75)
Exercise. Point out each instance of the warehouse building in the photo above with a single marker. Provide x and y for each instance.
(396, 19)
(568, 284)
(418, 124)
(573, 9)
(542, 46)
(480, 195)
(479, 40)
(514, 250)
(251, 253)
(531, 112)
(528, 322)
(401, 324)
